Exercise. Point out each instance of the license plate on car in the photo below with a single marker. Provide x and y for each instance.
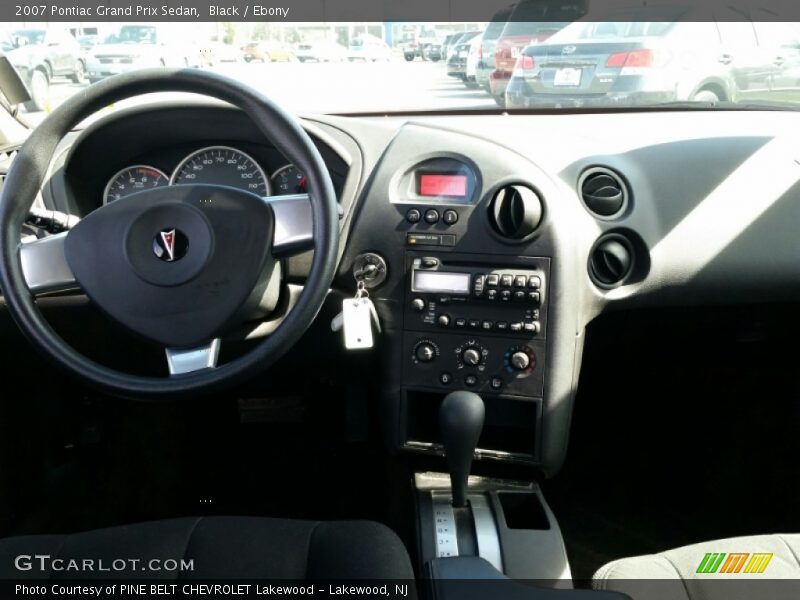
(567, 77)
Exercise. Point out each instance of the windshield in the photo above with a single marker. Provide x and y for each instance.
(662, 55)
(29, 36)
(132, 34)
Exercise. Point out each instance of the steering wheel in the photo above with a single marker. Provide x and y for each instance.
(178, 265)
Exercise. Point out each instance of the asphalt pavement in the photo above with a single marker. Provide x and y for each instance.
(304, 88)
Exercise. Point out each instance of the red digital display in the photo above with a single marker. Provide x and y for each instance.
(443, 185)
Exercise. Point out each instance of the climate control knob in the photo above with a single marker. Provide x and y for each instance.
(471, 357)
(425, 351)
(519, 360)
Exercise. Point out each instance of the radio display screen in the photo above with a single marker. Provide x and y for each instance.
(442, 184)
(441, 282)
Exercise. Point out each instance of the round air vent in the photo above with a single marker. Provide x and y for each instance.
(603, 192)
(611, 260)
(515, 211)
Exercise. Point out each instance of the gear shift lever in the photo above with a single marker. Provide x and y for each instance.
(460, 421)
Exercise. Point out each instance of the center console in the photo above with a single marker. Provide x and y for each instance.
(478, 324)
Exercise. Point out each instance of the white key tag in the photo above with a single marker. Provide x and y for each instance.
(358, 314)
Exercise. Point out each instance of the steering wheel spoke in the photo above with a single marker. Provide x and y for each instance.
(188, 360)
(293, 224)
(45, 266)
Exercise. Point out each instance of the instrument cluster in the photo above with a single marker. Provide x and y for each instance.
(220, 165)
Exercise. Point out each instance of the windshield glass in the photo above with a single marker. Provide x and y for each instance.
(132, 34)
(544, 55)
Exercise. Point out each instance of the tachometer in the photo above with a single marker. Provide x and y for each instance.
(133, 179)
(288, 180)
(222, 165)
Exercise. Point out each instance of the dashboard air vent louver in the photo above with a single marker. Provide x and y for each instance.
(603, 192)
(611, 260)
(515, 211)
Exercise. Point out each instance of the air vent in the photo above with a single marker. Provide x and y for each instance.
(515, 211)
(611, 260)
(603, 192)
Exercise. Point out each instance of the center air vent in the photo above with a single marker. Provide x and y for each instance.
(603, 192)
(611, 260)
(515, 211)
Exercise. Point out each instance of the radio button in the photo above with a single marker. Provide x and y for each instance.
(413, 215)
(487, 325)
(534, 297)
(477, 285)
(506, 280)
(496, 383)
(445, 378)
(450, 217)
(474, 323)
(491, 294)
(520, 281)
(519, 296)
(429, 262)
(502, 325)
(492, 280)
(532, 327)
(516, 326)
(505, 295)
(471, 380)
(418, 304)
(461, 322)
(534, 282)
(431, 216)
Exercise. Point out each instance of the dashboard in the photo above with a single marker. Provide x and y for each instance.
(498, 239)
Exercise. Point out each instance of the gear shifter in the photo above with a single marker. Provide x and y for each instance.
(460, 421)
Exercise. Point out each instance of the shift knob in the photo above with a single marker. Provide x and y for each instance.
(460, 421)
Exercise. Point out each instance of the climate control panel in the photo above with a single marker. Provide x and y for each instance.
(485, 364)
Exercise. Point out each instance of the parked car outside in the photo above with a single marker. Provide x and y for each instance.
(473, 58)
(322, 51)
(486, 64)
(457, 62)
(368, 48)
(39, 55)
(448, 43)
(267, 51)
(530, 22)
(137, 46)
(636, 63)
(434, 51)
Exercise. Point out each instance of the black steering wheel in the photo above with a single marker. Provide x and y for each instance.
(178, 265)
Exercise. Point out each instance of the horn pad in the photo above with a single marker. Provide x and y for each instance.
(174, 264)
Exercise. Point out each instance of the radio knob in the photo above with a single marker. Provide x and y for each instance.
(418, 304)
(443, 320)
(471, 357)
(425, 352)
(520, 360)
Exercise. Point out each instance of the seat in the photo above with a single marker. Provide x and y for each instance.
(218, 548)
(763, 566)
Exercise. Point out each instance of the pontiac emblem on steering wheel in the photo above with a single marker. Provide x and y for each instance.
(170, 245)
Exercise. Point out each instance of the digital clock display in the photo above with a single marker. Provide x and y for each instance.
(442, 184)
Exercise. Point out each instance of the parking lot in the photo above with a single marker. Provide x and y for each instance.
(339, 87)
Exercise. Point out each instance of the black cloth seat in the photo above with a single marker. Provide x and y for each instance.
(220, 548)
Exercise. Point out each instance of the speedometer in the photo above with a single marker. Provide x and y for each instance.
(133, 179)
(222, 165)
